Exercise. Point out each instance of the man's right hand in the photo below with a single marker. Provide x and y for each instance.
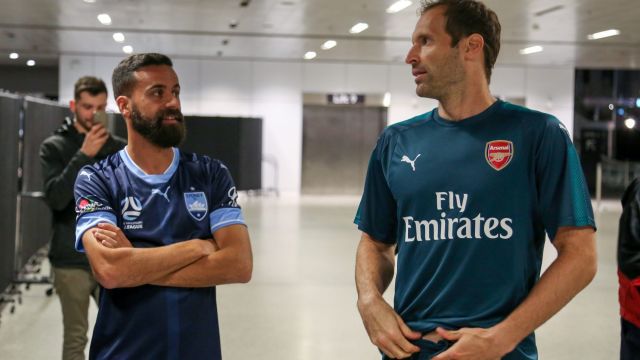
(94, 139)
(386, 329)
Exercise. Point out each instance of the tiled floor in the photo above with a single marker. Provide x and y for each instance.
(300, 303)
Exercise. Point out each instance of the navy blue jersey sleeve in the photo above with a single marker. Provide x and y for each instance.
(376, 214)
(92, 203)
(225, 210)
(563, 196)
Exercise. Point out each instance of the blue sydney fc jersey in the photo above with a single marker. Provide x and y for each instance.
(192, 199)
(468, 203)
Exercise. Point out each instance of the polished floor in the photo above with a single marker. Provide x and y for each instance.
(300, 304)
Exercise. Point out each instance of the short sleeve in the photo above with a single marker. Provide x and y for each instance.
(225, 210)
(376, 214)
(92, 206)
(563, 195)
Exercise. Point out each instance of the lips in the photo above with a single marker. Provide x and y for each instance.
(417, 72)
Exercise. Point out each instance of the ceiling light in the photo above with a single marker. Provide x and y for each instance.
(13, 56)
(31, 62)
(128, 49)
(310, 55)
(358, 28)
(328, 44)
(611, 107)
(104, 19)
(638, 102)
(398, 6)
(531, 50)
(630, 123)
(603, 34)
(89, 1)
(118, 37)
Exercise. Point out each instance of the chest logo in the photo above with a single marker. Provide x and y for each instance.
(131, 208)
(196, 203)
(498, 153)
(161, 193)
(407, 160)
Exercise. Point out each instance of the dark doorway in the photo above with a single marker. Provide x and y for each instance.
(336, 146)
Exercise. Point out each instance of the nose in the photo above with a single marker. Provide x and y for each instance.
(412, 55)
(173, 103)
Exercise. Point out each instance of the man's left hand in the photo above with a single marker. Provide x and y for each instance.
(111, 236)
(470, 343)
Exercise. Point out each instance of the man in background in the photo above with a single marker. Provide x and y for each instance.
(78, 142)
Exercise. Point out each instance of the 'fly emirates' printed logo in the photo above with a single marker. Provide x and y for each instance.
(447, 228)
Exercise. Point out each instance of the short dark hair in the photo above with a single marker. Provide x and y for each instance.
(123, 79)
(90, 84)
(466, 17)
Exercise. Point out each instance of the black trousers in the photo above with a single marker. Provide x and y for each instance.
(629, 341)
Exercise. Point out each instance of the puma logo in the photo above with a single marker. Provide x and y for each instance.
(163, 194)
(406, 159)
(86, 173)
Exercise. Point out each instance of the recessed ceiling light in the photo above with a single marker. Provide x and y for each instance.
(118, 37)
(31, 63)
(13, 56)
(328, 44)
(630, 123)
(358, 28)
(603, 34)
(531, 50)
(398, 6)
(128, 49)
(104, 19)
(310, 55)
(89, 1)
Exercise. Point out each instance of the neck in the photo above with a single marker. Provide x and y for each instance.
(152, 159)
(78, 126)
(467, 101)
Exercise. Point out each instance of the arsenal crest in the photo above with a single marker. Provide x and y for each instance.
(499, 153)
(196, 204)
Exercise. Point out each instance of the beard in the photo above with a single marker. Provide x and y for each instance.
(84, 123)
(155, 131)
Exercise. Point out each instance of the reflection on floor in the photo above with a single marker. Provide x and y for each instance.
(300, 303)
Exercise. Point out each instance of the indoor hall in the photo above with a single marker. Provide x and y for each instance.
(292, 96)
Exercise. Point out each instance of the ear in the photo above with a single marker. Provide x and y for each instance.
(72, 105)
(123, 103)
(474, 46)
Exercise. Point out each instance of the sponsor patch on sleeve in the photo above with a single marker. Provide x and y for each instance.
(85, 205)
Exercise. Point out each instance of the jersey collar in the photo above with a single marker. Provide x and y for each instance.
(151, 179)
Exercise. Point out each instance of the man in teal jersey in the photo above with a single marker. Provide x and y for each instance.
(464, 195)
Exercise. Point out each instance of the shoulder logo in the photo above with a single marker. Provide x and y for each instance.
(498, 153)
(408, 160)
(86, 173)
(196, 203)
(131, 208)
(233, 197)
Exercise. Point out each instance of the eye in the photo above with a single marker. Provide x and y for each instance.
(176, 93)
(157, 92)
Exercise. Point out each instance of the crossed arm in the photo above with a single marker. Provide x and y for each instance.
(572, 270)
(190, 263)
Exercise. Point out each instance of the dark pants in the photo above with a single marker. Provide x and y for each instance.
(629, 341)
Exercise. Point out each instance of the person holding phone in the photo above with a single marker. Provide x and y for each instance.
(80, 141)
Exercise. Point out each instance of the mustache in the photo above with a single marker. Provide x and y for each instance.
(177, 114)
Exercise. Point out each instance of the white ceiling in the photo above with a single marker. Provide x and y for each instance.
(283, 30)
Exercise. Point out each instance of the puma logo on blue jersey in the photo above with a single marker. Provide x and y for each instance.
(406, 159)
(163, 194)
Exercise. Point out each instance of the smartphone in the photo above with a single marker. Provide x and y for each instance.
(100, 117)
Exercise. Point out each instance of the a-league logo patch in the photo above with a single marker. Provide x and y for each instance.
(196, 203)
(499, 153)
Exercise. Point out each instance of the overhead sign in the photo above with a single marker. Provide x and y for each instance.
(345, 99)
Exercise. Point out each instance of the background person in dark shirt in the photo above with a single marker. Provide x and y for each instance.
(78, 142)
